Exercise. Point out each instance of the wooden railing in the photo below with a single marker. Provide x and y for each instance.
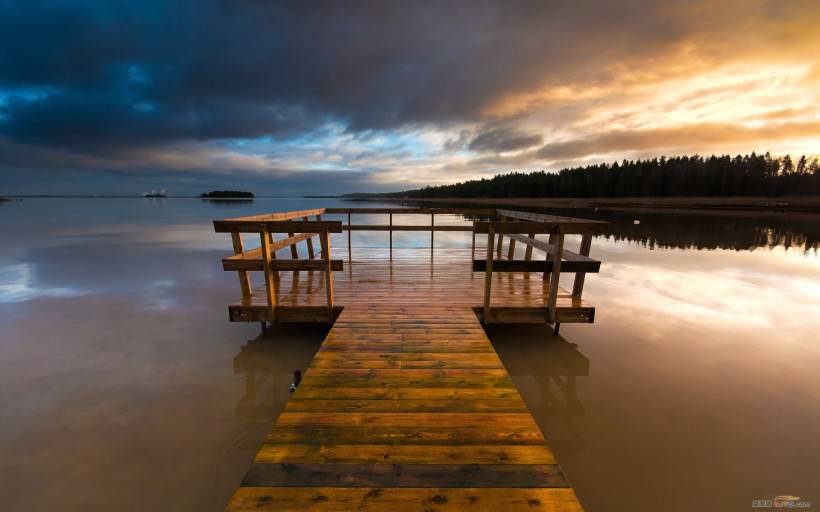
(299, 227)
(514, 225)
(517, 227)
(390, 227)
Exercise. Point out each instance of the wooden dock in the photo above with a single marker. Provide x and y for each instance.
(405, 408)
(406, 405)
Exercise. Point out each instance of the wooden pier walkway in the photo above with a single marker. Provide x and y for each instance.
(405, 408)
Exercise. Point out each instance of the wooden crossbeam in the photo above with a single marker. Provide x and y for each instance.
(478, 212)
(279, 215)
(396, 227)
(536, 266)
(256, 264)
(510, 227)
(541, 217)
(278, 226)
(550, 249)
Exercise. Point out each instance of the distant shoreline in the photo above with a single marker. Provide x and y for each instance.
(806, 204)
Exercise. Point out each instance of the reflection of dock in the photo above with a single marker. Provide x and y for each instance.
(406, 405)
(268, 363)
(552, 365)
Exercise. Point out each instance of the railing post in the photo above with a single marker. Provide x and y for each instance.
(500, 244)
(270, 284)
(309, 243)
(549, 257)
(294, 252)
(391, 237)
(272, 240)
(244, 278)
(556, 274)
(488, 274)
(578, 285)
(473, 256)
(325, 241)
(511, 251)
(349, 241)
(319, 217)
(528, 251)
(432, 231)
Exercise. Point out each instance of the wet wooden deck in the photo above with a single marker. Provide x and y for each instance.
(413, 276)
(406, 407)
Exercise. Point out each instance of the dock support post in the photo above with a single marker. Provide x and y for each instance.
(244, 278)
(488, 274)
(557, 328)
(325, 240)
(556, 274)
(270, 284)
(578, 285)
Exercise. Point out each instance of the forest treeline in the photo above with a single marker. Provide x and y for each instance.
(749, 175)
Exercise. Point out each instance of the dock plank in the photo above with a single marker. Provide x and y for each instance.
(405, 408)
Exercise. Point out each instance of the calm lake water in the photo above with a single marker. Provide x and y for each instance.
(124, 387)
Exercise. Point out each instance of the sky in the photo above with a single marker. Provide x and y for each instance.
(299, 98)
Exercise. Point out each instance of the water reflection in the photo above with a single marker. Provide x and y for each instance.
(736, 231)
(113, 334)
(545, 368)
(18, 283)
(267, 363)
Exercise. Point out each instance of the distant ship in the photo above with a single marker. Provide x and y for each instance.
(155, 193)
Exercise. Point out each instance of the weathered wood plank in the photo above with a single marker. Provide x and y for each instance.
(378, 499)
(404, 454)
(406, 406)
(400, 403)
(288, 474)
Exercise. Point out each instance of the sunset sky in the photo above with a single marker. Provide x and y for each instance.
(314, 98)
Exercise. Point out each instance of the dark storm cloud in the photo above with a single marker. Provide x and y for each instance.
(138, 72)
(499, 140)
(122, 85)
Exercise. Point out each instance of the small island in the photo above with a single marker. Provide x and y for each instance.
(4, 199)
(227, 194)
